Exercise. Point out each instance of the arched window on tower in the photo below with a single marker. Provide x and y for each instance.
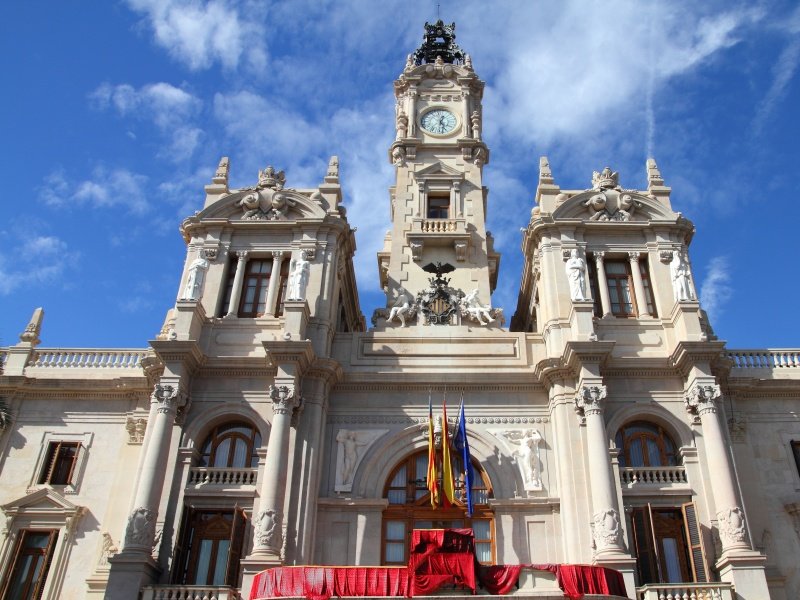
(410, 508)
(231, 445)
(645, 444)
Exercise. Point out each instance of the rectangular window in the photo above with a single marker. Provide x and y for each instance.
(254, 289)
(620, 288)
(668, 545)
(210, 547)
(60, 463)
(796, 452)
(29, 565)
(438, 206)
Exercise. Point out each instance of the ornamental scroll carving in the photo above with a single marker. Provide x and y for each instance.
(266, 202)
(731, 526)
(589, 399)
(268, 529)
(141, 529)
(605, 529)
(700, 399)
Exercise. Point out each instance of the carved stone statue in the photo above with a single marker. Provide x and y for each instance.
(398, 156)
(349, 443)
(299, 271)
(473, 308)
(681, 279)
(401, 306)
(528, 454)
(141, 528)
(196, 279)
(576, 274)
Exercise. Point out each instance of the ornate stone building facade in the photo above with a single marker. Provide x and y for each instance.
(267, 424)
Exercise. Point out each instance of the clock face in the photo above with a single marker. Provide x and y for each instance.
(438, 121)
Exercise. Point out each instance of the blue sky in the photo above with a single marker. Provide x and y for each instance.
(116, 113)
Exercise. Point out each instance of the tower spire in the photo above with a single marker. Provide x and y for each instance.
(439, 41)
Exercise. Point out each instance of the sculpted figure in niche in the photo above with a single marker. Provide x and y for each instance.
(401, 306)
(299, 271)
(349, 442)
(475, 310)
(576, 274)
(528, 454)
(196, 279)
(681, 279)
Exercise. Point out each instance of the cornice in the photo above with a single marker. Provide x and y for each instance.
(436, 384)
(186, 352)
(299, 352)
(357, 503)
(688, 353)
(361, 418)
(524, 504)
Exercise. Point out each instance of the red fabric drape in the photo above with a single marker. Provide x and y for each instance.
(320, 583)
(499, 579)
(429, 573)
(577, 580)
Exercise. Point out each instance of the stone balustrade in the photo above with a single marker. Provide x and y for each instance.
(84, 358)
(189, 592)
(685, 591)
(765, 358)
(439, 226)
(222, 476)
(633, 476)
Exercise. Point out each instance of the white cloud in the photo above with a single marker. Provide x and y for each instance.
(200, 34)
(33, 260)
(171, 109)
(716, 290)
(107, 188)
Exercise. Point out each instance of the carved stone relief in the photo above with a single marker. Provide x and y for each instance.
(353, 444)
(265, 201)
(107, 550)
(526, 443)
(268, 529)
(605, 529)
(141, 529)
(731, 526)
(136, 426)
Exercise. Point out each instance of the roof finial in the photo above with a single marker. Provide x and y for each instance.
(439, 40)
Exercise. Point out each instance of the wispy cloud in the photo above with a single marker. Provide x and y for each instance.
(171, 109)
(34, 260)
(107, 188)
(782, 72)
(201, 34)
(716, 290)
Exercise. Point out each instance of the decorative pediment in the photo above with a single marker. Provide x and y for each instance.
(266, 205)
(613, 205)
(438, 170)
(43, 502)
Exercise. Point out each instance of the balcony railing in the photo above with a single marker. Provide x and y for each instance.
(222, 476)
(82, 358)
(685, 591)
(632, 476)
(779, 358)
(189, 592)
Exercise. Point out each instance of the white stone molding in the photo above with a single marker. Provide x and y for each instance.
(51, 437)
(353, 444)
(731, 526)
(141, 528)
(526, 444)
(590, 399)
(136, 426)
(701, 399)
(606, 530)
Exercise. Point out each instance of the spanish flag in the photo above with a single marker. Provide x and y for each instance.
(447, 472)
(433, 484)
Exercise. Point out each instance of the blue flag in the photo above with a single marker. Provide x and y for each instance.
(466, 460)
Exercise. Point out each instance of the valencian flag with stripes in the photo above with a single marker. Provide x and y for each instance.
(448, 486)
(462, 445)
(432, 480)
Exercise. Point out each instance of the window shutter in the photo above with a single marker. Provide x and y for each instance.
(179, 562)
(646, 556)
(48, 558)
(235, 551)
(695, 539)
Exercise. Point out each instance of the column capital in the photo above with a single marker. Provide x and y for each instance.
(634, 255)
(241, 255)
(700, 399)
(278, 254)
(589, 399)
(168, 398)
(599, 255)
(283, 399)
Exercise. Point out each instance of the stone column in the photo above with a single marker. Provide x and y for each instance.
(638, 284)
(602, 284)
(274, 282)
(268, 538)
(701, 400)
(236, 292)
(606, 528)
(465, 113)
(140, 532)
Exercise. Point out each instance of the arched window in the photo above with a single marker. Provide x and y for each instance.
(410, 508)
(231, 445)
(644, 444)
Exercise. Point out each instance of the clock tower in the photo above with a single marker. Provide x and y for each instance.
(438, 202)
